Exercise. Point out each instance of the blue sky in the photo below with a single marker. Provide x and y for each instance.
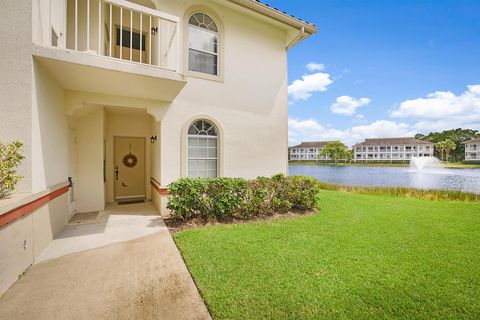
(396, 68)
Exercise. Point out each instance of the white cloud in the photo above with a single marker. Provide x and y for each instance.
(347, 106)
(312, 130)
(443, 110)
(312, 67)
(302, 89)
(381, 129)
(437, 112)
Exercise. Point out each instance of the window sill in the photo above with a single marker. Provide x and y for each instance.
(204, 76)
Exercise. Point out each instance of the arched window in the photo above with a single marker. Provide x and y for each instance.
(203, 41)
(202, 150)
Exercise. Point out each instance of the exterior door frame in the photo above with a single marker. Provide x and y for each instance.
(72, 171)
(114, 165)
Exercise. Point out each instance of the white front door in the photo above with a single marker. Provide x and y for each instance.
(129, 168)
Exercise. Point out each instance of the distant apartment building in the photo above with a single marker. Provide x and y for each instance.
(309, 151)
(392, 149)
(472, 150)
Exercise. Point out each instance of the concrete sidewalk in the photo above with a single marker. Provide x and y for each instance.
(91, 271)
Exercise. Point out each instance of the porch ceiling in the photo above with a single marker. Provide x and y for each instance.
(81, 71)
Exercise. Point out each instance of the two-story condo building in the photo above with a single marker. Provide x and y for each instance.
(472, 150)
(392, 149)
(309, 151)
(116, 99)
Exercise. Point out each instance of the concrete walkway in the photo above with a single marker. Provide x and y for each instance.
(122, 265)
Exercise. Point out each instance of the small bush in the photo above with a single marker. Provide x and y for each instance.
(10, 158)
(206, 198)
(226, 198)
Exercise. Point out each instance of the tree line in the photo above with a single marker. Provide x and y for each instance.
(449, 143)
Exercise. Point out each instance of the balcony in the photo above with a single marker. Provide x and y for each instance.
(105, 46)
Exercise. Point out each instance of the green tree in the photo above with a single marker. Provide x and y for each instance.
(348, 155)
(449, 147)
(457, 136)
(334, 150)
(440, 148)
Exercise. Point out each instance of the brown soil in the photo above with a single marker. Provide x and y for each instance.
(177, 225)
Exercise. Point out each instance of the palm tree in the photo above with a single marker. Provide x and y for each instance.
(449, 147)
(441, 148)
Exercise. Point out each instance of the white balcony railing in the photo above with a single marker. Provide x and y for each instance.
(121, 30)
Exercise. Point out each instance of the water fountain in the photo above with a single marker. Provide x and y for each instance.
(425, 164)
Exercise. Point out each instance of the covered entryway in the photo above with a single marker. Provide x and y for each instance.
(113, 155)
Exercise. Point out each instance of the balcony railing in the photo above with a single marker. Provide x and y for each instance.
(121, 30)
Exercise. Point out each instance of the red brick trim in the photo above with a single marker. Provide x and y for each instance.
(30, 207)
(160, 190)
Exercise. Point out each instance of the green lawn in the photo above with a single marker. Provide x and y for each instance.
(360, 257)
(459, 165)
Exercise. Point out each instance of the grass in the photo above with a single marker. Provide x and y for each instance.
(460, 165)
(436, 195)
(360, 257)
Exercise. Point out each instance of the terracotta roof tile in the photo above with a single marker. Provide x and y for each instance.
(276, 9)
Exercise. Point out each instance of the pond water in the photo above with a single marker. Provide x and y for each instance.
(440, 178)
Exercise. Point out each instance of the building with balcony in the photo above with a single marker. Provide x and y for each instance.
(472, 150)
(116, 99)
(392, 149)
(309, 151)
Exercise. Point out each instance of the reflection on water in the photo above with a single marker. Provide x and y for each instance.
(439, 178)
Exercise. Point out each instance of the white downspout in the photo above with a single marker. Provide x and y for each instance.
(297, 38)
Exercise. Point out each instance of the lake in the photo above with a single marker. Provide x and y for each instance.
(450, 179)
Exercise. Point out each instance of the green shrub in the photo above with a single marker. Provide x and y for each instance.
(205, 198)
(302, 192)
(10, 158)
(225, 198)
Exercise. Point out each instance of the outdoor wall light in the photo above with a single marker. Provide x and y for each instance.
(153, 139)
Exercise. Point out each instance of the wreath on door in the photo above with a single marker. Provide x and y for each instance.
(130, 160)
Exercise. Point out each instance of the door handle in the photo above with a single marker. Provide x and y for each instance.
(116, 172)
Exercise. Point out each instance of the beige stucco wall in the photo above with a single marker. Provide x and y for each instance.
(23, 240)
(251, 104)
(14, 257)
(49, 132)
(156, 150)
(32, 108)
(16, 80)
(90, 144)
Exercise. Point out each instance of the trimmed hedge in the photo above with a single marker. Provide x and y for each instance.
(226, 198)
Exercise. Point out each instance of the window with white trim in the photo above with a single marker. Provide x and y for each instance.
(202, 150)
(203, 46)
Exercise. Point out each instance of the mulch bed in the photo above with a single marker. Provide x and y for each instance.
(177, 225)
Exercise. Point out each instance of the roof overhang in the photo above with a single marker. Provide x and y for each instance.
(304, 28)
